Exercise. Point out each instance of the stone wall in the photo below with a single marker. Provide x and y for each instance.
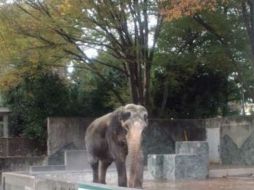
(237, 140)
(159, 137)
(18, 154)
(19, 181)
(16, 146)
(231, 139)
(213, 139)
(64, 134)
(19, 163)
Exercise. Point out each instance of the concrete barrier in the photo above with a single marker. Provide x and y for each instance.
(189, 162)
(76, 160)
(26, 181)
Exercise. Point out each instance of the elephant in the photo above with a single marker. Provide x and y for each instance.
(111, 138)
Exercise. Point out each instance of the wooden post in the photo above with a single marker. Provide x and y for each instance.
(5, 126)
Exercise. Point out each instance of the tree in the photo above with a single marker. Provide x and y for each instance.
(34, 99)
(210, 44)
(94, 95)
(18, 56)
(120, 30)
(44, 93)
(247, 11)
(175, 9)
(247, 15)
(126, 30)
(119, 27)
(235, 36)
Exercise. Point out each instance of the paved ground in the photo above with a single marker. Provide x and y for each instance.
(243, 182)
(243, 179)
(211, 184)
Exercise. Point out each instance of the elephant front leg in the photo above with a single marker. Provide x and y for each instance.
(121, 171)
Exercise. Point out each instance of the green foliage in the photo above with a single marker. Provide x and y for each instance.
(46, 95)
(204, 93)
(201, 65)
(33, 100)
(98, 93)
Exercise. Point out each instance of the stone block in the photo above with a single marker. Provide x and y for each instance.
(155, 164)
(199, 148)
(76, 160)
(190, 167)
(177, 166)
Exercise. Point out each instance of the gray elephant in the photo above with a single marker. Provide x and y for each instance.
(111, 137)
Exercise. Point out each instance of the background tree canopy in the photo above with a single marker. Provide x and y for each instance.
(181, 59)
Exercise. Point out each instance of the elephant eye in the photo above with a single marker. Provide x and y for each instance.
(126, 115)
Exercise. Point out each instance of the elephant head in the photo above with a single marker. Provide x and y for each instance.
(134, 119)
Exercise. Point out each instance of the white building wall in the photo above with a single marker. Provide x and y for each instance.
(213, 139)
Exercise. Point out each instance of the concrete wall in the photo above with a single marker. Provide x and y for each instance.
(64, 132)
(10, 164)
(231, 139)
(213, 139)
(237, 140)
(16, 146)
(19, 163)
(18, 154)
(159, 137)
(23, 181)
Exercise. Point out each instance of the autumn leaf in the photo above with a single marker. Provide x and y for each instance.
(175, 9)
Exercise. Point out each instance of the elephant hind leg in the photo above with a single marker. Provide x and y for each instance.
(103, 164)
(95, 167)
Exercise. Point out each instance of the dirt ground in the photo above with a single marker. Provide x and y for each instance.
(226, 183)
(240, 183)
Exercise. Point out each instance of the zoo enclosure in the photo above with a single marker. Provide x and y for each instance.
(230, 139)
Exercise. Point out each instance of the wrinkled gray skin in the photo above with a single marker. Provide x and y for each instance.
(111, 137)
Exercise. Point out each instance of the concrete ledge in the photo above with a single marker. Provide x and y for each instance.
(21, 181)
(76, 160)
(155, 164)
(177, 166)
(16, 181)
(200, 148)
(227, 172)
(48, 168)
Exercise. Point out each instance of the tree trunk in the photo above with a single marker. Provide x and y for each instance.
(146, 91)
(139, 84)
(248, 18)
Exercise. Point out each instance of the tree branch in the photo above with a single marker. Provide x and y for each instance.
(208, 27)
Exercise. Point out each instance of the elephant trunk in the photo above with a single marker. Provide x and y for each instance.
(134, 139)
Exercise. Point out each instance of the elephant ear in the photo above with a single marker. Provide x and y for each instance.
(122, 115)
(125, 115)
(117, 118)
